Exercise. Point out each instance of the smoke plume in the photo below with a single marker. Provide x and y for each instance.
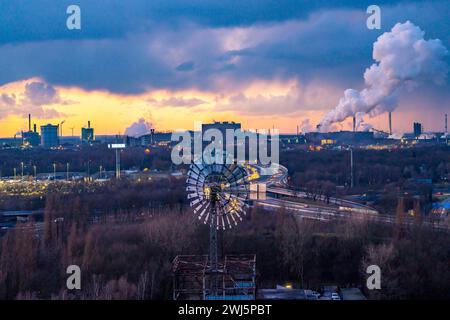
(306, 126)
(138, 128)
(404, 59)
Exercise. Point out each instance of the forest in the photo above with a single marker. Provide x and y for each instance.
(127, 251)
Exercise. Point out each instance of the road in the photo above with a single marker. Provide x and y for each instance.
(279, 196)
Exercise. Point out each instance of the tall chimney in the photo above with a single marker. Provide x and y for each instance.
(390, 122)
(35, 127)
(446, 123)
(89, 123)
(354, 123)
(29, 122)
(352, 177)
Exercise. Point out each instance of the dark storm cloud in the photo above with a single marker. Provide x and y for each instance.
(24, 20)
(186, 66)
(133, 46)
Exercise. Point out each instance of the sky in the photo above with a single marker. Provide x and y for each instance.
(171, 63)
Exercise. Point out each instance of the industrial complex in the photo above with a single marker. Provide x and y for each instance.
(50, 136)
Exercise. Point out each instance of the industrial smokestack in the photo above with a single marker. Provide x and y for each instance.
(354, 123)
(89, 123)
(390, 122)
(29, 122)
(446, 123)
(352, 177)
(35, 130)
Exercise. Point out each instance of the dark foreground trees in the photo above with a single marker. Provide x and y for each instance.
(131, 259)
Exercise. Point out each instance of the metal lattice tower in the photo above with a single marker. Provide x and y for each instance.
(218, 194)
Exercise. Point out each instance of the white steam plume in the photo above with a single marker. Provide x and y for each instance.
(404, 59)
(138, 128)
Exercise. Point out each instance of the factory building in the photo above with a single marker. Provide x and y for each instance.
(49, 136)
(87, 134)
(340, 137)
(222, 127)
(31, 137)
(158, 138)
(417, 127)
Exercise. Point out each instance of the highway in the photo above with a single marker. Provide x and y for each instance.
(279, 196)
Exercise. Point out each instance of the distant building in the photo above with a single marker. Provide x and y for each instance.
(289, 139)
(156, 138)
(340, 137)
(49, 136)
(31, 138)
(417, 129)
(87, 134)
(327, 141)
(222, 127)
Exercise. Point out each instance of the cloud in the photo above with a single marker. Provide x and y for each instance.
(215, 47)
(305, 126)
(138, 128)
(42, 20)
(141, 51)
(35, 99)
(8, 100)
(268, 99)
(177, 102)
(186, 66)
(40, 93)
(148, 58)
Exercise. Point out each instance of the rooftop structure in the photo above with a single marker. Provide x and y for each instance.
(87, 134)
(236, 277)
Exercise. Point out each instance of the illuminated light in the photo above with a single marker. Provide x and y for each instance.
(288, 285)
(147, 151)
(207, 192)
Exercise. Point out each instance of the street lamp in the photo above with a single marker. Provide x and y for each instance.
(101, 167)
(61, 125)
(14, 173)
(117, 147)
(34, 169)
(21, 164)
(67, 172)
(54, 171)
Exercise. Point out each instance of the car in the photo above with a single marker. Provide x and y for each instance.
(335, 296)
